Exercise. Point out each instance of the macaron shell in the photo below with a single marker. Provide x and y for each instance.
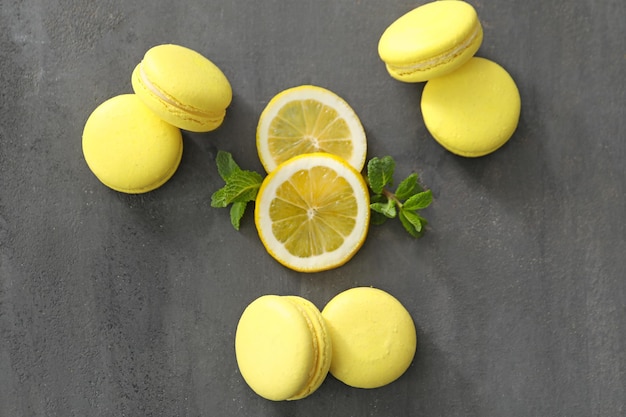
(473, 111)
(374, 337)
(431, 40)
(183, 87)
(276, 348)
(129, 148)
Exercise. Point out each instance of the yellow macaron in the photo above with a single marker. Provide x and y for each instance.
(183, 87)
(474, 110)
(374, 337)
(282, 347)
(128, 147)
(431, 40)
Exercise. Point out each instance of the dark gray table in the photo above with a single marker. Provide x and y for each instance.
(122, 305)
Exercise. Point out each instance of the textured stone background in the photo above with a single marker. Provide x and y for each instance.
(121, 305)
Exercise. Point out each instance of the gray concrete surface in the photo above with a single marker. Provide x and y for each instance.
(121, 305)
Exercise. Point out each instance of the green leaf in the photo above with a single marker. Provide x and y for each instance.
(242, 186)
(407, 187)
(377, 218)
(418, 201)
(218, 198)
(380, 173)
(387, 209)
(412, 222)
(226, 165)
(237, 211)
(414, 218)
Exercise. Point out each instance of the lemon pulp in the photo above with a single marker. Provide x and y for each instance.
(308, 126)
(313, 212)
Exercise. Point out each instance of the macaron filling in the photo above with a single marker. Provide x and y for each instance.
(440, 59)
(321, 347)
(307, 388)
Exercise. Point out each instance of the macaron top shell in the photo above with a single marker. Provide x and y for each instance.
(431, 40)
(282, 349)
(374, 337)
(473, 111)
(183, 87)
(128, 147)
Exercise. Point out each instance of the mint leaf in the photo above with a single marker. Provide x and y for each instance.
(412, 223)
(226, 165)
(380, 173)
(237, 211)
(241, 187)
(218, 199)
(378, 198)
(418, 201)
(377, 218)
(407, 187)
(404, 204)
(387, 209)
(415, 219)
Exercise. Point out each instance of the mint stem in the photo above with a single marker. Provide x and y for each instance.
(391, 196)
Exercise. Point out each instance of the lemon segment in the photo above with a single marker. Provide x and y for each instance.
(309, 119)
(312, 212)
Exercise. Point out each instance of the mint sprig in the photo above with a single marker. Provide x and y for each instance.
(241, 187)
(405, 203)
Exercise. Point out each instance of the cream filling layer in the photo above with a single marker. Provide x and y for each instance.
(170, 101)
(440, 59)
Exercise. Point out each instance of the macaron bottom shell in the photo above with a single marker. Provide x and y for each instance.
(474, 110)
(374, 337)
(129, 148)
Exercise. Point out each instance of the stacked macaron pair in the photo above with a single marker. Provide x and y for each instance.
(285, 346)
(133, 142)
(470, 105)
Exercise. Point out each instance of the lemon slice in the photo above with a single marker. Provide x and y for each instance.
(312, 212)
(309, 119)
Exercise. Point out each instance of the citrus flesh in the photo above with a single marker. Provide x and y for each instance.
(312, 212)
(309, 119)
